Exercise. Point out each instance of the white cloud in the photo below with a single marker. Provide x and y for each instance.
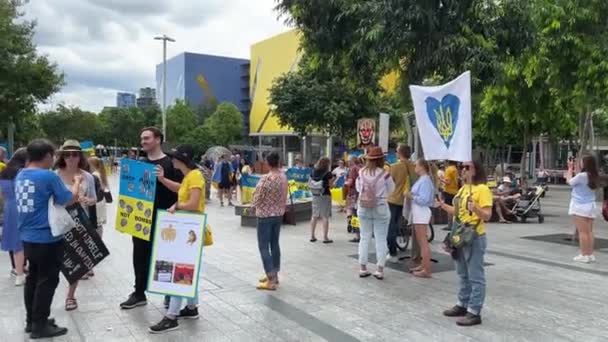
(106, 46)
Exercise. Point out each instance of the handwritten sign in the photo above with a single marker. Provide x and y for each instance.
(136, 198)
(84, 249)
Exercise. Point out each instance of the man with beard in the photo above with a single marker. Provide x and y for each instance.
(168, 180)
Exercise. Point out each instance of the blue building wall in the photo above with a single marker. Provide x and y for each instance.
(196, 78)
(125, 100)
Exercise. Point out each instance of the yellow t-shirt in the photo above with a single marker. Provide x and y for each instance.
(193, 180)
(404, 176)
(482, 198)
(2, 166)
(451, 178)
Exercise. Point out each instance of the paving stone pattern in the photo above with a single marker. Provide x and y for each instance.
(535, 292)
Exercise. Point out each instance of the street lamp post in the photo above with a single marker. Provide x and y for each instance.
(164, 38)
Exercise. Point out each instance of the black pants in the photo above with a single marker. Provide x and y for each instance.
(142, 251)
(41, 282)
(393, 227)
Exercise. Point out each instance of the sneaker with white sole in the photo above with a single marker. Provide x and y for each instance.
(393, 259)
(165, 325)
(591, 258)
(20, 280)
(582, 258)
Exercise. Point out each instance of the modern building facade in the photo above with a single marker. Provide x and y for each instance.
(147, 97)
(200, 79)
(125, 100)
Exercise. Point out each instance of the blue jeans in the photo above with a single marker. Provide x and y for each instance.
(269, 229)
(175, 304)
(376, 221)
(469, 267)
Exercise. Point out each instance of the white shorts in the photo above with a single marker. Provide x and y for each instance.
(420, 214)
(588, 210)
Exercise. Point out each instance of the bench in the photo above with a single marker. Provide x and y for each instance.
(302, 210)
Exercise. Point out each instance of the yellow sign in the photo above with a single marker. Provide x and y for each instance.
(136, 199)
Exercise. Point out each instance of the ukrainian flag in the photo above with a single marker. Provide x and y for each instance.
(248, 182)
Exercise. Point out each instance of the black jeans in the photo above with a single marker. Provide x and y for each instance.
(142, 251)
(393, 227)
(45, 264)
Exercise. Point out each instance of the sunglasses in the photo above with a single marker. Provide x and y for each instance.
(72, 154)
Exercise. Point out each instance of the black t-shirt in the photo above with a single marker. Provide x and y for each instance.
(165, 198)
(317, 174)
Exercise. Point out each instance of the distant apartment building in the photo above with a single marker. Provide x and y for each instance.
(125, 100)
(147, 97)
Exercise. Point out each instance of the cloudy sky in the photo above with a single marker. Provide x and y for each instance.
(105, 46)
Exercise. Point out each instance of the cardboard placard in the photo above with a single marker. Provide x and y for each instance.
(177, 251)
(84, 249)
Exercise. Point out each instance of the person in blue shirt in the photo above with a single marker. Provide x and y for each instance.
(421, 198)
(34, 186)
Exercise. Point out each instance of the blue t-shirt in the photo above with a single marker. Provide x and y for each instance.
(581, 192)
(33, 189)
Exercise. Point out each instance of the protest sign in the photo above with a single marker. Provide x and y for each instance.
(136, 198)
(298, 182)
(176, 253)
(248, 184)
(443, 117)
(83, 247)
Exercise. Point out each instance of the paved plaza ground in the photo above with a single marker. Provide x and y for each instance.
(535, 291)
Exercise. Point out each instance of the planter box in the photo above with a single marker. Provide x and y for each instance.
(303, 211)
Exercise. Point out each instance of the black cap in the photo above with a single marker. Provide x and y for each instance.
(185, 154)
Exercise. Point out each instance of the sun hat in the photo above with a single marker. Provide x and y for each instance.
(374, 153)
(70, 145)
(185, 154)
(506, 180)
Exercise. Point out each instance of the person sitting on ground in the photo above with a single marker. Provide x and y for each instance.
(505, 197)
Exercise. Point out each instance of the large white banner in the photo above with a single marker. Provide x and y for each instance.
(176, 253)
(443, 117)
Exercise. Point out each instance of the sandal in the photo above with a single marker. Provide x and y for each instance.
(267, 286)
(265, 279)
(71, 304)
(416, 269)
(313, 240)
(364, 274)
(328, 241)
(379, 275)
(422, 274)
(355, 240)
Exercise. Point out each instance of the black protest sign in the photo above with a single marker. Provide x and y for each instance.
(83, 247)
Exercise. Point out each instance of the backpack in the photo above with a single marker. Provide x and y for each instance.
(316, 186)
(367, 197)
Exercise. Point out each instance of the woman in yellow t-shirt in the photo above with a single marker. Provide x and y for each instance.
(474, 202)
(191, 198)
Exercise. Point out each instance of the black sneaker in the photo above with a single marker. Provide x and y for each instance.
(133, 302)
(166, 302)
(188, 313)
(166, 324)
(469, 320)
(456, 311)
(47, 330)
(28, 325)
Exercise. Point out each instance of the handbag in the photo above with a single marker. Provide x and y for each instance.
(107, 195)
(208, 241)
(60, 219)
(289, 217)
(462, 234)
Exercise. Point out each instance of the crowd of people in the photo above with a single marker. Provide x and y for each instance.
(380, 197)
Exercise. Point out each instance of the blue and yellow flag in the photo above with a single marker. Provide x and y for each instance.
(248, 182)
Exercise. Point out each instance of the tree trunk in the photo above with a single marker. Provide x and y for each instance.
(523, 172)
(508, 160)
(584, 125)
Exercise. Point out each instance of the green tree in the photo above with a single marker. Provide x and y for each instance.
(200, 138)
(120, 126)
(152, 115)
(26, 78)
(69, 123)
(225, 126)
(180, 120)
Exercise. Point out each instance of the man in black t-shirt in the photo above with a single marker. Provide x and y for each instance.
(166, 196)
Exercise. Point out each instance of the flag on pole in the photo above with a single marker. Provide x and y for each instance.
(443, 117)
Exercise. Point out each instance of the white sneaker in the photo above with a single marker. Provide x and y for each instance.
(393, 259)
(20, 280)
(582, 258)
(591, 258)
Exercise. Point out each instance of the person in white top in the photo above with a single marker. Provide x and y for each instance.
(339, 171)
(373, 185)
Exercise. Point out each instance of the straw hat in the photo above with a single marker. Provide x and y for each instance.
(70, 145)
(374, 153)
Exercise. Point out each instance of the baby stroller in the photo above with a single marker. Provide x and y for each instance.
(528, 205)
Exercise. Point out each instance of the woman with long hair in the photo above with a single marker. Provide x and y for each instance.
(473, 207)
(422, 199)
(98, 170)
(320, 186)
(11, 238)
(190, 198)
(373, 185)
(70, 163)
(582, 203)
